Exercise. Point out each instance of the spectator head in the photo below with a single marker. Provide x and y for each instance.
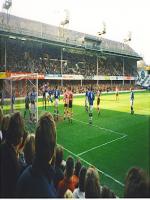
(82, 179)
(5, 124)
(107, 193)
(15, 129)
(136, 185)
(69, 167)
(29, 149)
(78, 166)
(92, 185)
(45, 138)
(59, 155)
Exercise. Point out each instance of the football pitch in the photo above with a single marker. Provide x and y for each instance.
(115, 142)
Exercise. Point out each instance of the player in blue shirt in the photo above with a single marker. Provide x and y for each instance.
(27, 103)
(33, 97)
(56, 100)
(45, 93)
(132, 101)
(91, 98)
(12, 102)
(50, 92)
(86, 99)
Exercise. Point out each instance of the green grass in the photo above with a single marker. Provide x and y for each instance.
(114, 143)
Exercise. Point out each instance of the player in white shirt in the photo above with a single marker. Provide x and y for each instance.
(117, 93)
(132, 101)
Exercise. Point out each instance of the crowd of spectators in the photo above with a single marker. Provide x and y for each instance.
(20, 88)
(81, 89)
(33, 166)
(23, 56)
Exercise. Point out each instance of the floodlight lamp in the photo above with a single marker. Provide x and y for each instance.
(64, 22)
(7, 4)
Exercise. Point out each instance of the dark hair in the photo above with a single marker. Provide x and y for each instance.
(92, 185)
(78, 166)
(107, 193)
(136, 184)
(5, 124)
(15, 129)
(82, 179)
(45, 138)
(69, 167)
(59, 155)
(29, 149)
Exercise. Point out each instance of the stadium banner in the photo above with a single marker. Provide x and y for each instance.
(4, 75)
(81, 77)
(40, 76)
(147, 68)
(72, 77)
(129, 78)
(53, 76)
(119, 78)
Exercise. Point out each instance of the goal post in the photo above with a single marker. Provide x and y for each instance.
(18, 90)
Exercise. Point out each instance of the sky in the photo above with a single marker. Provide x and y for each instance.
(120, 17)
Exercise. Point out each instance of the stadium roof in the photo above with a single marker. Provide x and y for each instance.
(26, 29)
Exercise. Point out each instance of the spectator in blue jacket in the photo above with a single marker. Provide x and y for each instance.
(37, 180)
(9, 162)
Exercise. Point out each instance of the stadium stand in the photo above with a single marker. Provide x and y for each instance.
(31, 46)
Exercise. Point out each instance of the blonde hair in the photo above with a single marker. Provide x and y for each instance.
(68, 194)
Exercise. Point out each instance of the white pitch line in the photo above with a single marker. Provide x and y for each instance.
(99, 127)
(96, 147)
(107, 175)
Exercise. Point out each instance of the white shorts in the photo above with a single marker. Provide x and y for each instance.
(91, 108)
(56, 102)
(47, 95)
(131, 102)
(86, 101)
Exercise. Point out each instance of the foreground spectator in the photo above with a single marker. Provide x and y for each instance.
(67, 182)
(59, 174)
(137, 184)
(4, 127)
(80, 191)
(107, 193)
(92, 184)
(37, 180)
(75, 176)
(29, 149)
(20, 153)
(9, 165)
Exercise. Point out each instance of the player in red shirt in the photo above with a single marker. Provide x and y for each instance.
(70, 113)
(66, 103)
